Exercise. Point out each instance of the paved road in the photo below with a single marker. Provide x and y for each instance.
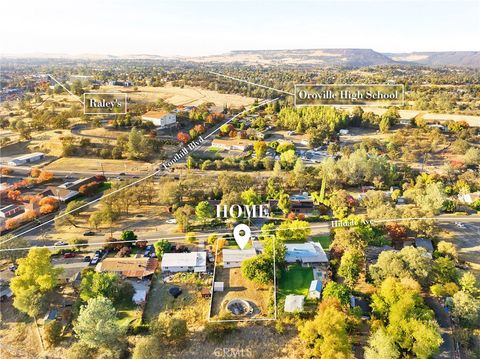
(467, 240)
(446, 350)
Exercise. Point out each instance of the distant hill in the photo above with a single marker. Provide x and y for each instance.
(316, 57)
(343, 57)
(299, 57)
(455, 58)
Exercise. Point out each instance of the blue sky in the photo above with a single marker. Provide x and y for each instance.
(203, 28)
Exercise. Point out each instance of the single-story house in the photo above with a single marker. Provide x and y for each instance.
(234, 145)
(161, 119)
(233, 258)
(184, 262)
(71, 273)
(315, 290)
(10, 210)
(59, 193)
(29, 158)
(305, 253)
(294, 303)
(305, 206)
(129, 267)
(75, 185)
(424, 243)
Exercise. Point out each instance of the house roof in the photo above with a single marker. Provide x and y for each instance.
(294, 303)
(238, 255)
(71, 269)
(59, 192)
(129, 267)
(309, 252)
(9, 208)
(193, 259)
(315, 285)
(218, 141)
(424, 243)
(155, 114)
(28, 156)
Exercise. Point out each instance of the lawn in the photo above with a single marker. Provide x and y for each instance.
(295, 280)
(129, 317)
(323, 240)
(215, 149)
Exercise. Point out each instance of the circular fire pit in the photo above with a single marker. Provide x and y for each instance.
(239, 307)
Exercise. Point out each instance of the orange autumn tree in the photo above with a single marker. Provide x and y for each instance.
(45, 176)
(14, 195)
(35, 172)
(48, 205)
(183, 137)
(11, 223)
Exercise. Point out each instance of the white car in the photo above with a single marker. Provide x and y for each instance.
(171, 221)
(459, 224)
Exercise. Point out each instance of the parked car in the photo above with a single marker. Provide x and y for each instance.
(69, 255)
(87, 259)
(12, 268)
(171, 221)
(88, 233)
(122, 174)
(60, 243)
(94, 261)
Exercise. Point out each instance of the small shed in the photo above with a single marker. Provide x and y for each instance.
(218, 286)
(294, 303)
(315, 290)
(51, 315)
(424, 243)
(206, 292)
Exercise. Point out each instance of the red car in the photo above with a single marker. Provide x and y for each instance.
(69, 255)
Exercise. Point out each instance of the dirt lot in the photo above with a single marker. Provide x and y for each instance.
(256, 340)
(189, 305)
(190, 96)
(238, 287)
(18, 335)
(97, 165)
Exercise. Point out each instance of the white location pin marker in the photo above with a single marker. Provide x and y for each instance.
(242, 239)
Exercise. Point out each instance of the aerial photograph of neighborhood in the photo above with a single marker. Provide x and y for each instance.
(240, 179)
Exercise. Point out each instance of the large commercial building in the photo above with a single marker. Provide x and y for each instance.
(161, 119)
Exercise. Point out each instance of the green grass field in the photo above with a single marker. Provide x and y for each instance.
(323, 240)
(295, 280)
